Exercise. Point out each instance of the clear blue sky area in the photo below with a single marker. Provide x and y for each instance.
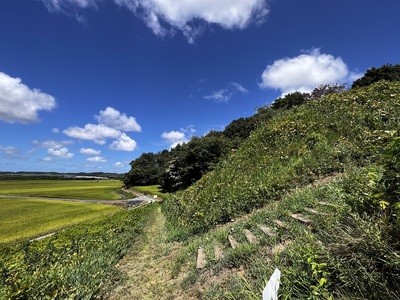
(90, 85)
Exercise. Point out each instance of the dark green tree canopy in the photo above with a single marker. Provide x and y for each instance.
(386, 72)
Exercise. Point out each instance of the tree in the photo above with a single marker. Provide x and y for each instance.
(326, 89)
(290, 100)
(386, 72)
(147, 169)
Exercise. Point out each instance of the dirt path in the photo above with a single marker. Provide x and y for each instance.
(148, 264)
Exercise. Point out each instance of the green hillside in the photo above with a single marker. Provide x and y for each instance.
(297, 146)
(314, 192)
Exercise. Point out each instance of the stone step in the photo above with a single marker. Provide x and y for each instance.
(280, 247)
(218, 251)
(268, 231)
(201, 258)
(301, 218)
(250, 236)
(327, 204)
(232, 242)
(315, 212)
(281, 224)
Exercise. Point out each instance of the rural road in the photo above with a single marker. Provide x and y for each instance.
(125, 202)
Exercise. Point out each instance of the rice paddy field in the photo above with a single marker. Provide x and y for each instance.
(29, 208)
(68, 189)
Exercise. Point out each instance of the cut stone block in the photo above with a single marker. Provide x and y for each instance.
(232, 241)
(201, 258)
(218, 251)
(280, 223)
(301, 218)
(250, 236)
(266, 230)
(316, 212)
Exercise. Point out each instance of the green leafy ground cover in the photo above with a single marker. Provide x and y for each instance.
(27, 218)
(348, 145)
(296, 147)
(78, 263)
(74, 189)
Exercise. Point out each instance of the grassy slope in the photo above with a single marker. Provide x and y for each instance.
(294, 148)
(343, 254)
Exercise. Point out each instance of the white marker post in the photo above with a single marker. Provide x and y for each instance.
(270, 291)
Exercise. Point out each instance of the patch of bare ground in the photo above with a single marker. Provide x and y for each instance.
(148, 264)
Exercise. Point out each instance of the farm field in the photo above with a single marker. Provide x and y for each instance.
(27, 218)
(71, 189)
(31, 217)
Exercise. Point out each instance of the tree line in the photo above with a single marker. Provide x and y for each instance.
(178, 168)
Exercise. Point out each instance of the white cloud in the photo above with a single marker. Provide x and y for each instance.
(8, 150)
(55, 148)
(239, 87)
(305, 72)
(55, 130)
(60, 152)
(96, 133)
(59, 5)
(165, 17)
(123, 143)
(112, 125)
(118, 164)
(174, 138)
(225, 94)
(19, 103)
(89, 151)
(51, 143)
(112, 118)
(222, 95)
(96, 159)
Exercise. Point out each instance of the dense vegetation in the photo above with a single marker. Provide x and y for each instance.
(331, 156)
(297, 146)
(346, 143)
(73, 264)
(386, 72)
(183, 165)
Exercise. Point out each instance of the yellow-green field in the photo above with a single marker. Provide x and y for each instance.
(74, 189)
(26, 218)
(30, 217)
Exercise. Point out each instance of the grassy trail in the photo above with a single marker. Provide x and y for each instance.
(148, 264)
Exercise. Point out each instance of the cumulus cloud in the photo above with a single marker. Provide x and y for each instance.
(111, 117)
(55, 148)
(165, 17)
(97, 159)
(19, 103)
(123, 143)
(111, 125)
(174, 138)
(89, 151)
(118, 164)
(60, 152)
(97, 133)
(305, 72)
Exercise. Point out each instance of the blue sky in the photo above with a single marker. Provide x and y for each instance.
(89, 85)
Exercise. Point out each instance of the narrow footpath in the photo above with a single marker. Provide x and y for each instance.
(147, 265)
